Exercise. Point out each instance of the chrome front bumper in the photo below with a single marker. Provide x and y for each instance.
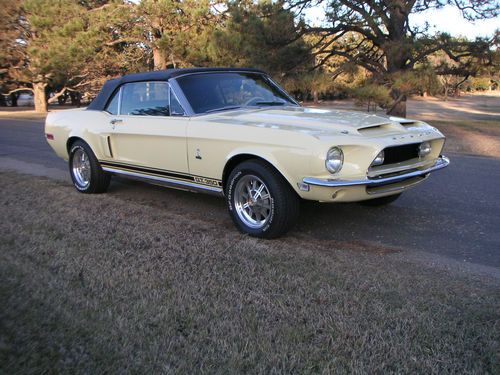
(440, 163)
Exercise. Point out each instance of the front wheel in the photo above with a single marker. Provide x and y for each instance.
(85, 170)
(260, 201)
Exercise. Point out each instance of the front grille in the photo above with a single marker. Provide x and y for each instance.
(393, 174)
(397, 154)
(398, 185)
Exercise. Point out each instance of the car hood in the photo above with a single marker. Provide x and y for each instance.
(317, 122)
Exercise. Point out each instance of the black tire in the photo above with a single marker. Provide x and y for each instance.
(96, 181)
(279, 211)
(382, 201)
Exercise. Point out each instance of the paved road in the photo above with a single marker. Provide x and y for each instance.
(454, 214)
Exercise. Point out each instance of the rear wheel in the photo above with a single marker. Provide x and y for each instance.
(85, 170)
(382, 201)
(260, 201)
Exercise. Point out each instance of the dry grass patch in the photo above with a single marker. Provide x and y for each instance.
(93, 284)
(479, 137)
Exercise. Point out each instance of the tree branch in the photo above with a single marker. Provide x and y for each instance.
(60, 93)
(123, 40)
(19, 89)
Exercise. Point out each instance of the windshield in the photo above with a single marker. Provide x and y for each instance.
(212, 92)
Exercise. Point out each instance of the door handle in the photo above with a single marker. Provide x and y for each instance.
(115, 121)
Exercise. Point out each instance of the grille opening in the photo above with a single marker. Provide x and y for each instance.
(393, 174)
(399, 185)
(398, 154)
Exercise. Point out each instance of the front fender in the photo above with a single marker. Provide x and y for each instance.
(291, 163)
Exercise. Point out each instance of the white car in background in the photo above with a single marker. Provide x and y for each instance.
(25, 100)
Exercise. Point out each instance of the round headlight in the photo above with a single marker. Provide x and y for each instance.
(424, 149)
(334, 160)
(379, 160)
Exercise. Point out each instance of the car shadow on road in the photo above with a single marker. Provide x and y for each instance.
(338, 225)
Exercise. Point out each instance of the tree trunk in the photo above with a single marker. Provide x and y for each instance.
(397, 57)
(75, 99)
(398, 107)
(315, 96)
(13, 99)
(40, 97)
(159, 59)
(173, 64)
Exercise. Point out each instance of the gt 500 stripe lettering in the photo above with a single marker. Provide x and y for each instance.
(207, 181)
(162, 173)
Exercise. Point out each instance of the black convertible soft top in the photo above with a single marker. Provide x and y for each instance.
(100, 101)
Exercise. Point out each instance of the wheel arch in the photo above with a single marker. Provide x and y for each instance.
(72, 140)
(237, 159)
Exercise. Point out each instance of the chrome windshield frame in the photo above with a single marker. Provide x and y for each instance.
(174, 85)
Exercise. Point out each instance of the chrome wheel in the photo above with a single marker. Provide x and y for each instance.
(81, 168)
(252, 201)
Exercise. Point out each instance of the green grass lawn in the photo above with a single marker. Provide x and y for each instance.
(95, 284)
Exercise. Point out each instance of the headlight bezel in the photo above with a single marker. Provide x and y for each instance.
(334, 160)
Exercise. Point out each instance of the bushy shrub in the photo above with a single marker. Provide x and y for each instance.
(372, 95)
(478, 84)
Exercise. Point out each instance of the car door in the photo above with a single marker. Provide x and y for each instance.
(145, 137)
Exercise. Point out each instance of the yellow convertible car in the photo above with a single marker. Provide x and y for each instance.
(236, 133)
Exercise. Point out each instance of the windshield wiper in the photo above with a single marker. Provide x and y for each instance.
(270, 103)
(224, 108)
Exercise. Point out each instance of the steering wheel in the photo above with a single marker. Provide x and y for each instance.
(254, 99)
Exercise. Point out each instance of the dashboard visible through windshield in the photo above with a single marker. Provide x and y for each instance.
(210, 92)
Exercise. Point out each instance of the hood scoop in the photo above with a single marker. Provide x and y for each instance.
(407, 123)
(373, 129)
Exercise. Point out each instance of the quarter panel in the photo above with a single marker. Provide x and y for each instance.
(91, 126)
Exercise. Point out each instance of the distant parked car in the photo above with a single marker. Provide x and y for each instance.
(236, 133)
(25, 100)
